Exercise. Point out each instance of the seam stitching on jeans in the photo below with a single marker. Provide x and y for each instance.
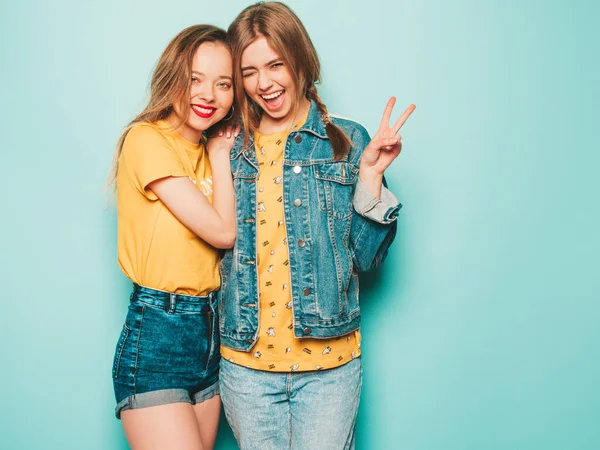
(137, 350)
(290, 419)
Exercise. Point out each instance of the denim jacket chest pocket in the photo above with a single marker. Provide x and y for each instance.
(335, 186)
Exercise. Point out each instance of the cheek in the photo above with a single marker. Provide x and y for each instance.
(249, 86)
(194, 89)
(226, 98)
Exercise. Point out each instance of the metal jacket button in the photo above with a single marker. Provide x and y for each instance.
(297, 202)
(306, 292)
(297, 169)
(307, 330)
(301, 243)
(298, 139)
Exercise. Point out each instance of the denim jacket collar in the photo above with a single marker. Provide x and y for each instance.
(314, 125)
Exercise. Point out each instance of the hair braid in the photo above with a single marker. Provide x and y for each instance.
(340, 142)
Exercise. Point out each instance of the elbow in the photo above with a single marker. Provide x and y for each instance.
(226, 240)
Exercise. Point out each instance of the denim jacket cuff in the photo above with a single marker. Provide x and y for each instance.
(384, 210)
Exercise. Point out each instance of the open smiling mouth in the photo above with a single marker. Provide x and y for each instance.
(203, 111)
(274, 100)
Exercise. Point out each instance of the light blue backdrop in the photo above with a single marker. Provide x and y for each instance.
(481, 331)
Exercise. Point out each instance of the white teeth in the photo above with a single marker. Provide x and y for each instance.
(272, 96)
(203, 110)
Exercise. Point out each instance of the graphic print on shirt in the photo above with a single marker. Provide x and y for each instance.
(277, 349)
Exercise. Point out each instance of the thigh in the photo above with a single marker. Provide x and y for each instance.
(160, 427)
(256, 406)
(207, 416)
(324, 406)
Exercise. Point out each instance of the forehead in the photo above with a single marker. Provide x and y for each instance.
(212, 57)
(258, 53)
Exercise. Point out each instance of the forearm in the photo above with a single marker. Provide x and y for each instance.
(223, 197)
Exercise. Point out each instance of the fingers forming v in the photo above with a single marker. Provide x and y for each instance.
(403, 118)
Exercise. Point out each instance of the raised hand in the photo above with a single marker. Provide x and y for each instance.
(384, 147)
(386, 144)
(222, 140)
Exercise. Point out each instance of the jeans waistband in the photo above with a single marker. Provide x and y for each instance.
(170, 301)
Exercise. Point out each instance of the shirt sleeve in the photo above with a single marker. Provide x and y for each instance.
(383, 210)
(147, 156)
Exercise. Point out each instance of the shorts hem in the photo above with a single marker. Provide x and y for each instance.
(208, 393)
(152, 398)
(165, 397)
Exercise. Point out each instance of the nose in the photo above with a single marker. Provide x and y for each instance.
(264, 82)
(205, 92)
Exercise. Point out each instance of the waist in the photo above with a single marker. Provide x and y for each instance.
(171, 301)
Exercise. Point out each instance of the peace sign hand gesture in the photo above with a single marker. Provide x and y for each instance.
(384, 147)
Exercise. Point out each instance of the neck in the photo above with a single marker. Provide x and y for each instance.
(269, 125)
(187, 132)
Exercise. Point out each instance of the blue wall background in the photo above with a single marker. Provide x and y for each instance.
(481, 331)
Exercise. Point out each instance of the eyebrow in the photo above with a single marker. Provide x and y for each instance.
(273, 61)
(221, 76)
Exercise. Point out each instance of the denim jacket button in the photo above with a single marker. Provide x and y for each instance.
(306, 292)
(307, 330)
(297, 169)
(301, 243)
(297, 202)
(298, 139)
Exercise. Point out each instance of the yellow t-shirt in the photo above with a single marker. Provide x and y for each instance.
(154, 248)
(277, 349)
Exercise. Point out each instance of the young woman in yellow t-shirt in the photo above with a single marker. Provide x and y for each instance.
(175, 210)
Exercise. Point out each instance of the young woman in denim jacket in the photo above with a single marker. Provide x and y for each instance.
(312, 211)
(175, 209)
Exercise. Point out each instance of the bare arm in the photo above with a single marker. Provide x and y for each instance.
(213, 223)
(223, 195)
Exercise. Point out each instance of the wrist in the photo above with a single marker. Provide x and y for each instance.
(372, 180)
(218, 152)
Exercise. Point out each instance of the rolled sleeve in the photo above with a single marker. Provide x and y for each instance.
(382, 210)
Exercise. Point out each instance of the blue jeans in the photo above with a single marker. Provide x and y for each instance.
(168, 350)
(300, 410)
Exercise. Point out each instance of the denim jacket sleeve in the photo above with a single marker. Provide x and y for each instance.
(374, 225)
(381, 210)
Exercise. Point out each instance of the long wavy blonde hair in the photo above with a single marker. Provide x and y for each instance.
(286, 34)
(171, 81)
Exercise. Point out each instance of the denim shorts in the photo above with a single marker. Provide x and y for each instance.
(168, 350)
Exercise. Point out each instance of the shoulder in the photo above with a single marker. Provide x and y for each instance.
(356, 132)
(238, 144)
(145, 137)
(145, 132)
(350, 127)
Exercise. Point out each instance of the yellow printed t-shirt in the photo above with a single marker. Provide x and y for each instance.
(277, 349)
(155, 249)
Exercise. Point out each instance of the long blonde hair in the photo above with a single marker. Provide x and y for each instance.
(286, 34)
(170, 81)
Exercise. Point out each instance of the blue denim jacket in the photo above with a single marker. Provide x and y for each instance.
(328, 241)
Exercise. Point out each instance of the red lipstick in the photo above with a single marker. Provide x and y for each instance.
(202, 114)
